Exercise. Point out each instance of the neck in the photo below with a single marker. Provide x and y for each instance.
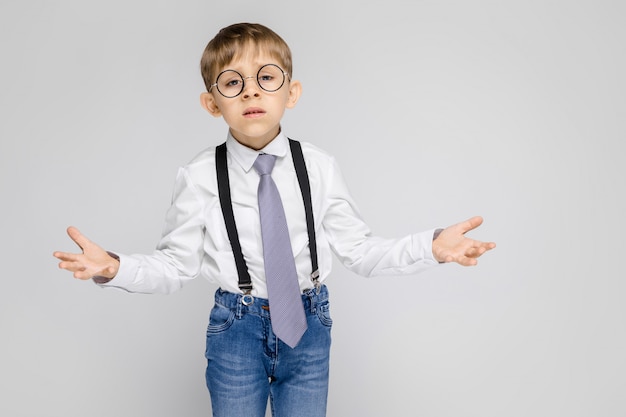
(255, 142)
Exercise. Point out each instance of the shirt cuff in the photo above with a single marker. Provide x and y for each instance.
(125, 274)
(423, 246)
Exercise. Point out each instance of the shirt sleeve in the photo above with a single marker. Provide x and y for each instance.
(178, 255)
(353, 243)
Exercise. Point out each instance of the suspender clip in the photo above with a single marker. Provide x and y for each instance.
(315, 275)
(245, 288)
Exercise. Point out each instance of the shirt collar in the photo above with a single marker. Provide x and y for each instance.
(245, 156)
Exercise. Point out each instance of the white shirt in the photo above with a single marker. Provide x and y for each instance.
(195, 242)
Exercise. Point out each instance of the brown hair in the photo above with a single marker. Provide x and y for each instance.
(233, 40)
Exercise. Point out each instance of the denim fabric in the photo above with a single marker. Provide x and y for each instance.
(247, 363)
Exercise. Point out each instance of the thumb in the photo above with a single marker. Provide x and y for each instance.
(471, 224)
(78, 238)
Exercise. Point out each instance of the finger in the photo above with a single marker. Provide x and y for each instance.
(448, 258)
(64, 256)
(80, 239)
(466, 260)
(79, 270)
(485, 246)
(72, 266)
(474, 252)
(83, 275)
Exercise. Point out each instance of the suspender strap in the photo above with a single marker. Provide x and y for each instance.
(305, 189)
(223, 185)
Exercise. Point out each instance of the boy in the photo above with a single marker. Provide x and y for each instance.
(226, 222)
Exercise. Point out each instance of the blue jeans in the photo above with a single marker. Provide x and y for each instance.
(247, 363)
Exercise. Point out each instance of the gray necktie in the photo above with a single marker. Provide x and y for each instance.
(286, 310)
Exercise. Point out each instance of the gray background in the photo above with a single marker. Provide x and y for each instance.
(508, 109)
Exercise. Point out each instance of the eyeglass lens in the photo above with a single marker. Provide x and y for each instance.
(270, 78)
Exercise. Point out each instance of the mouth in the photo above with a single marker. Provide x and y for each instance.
(253, 112)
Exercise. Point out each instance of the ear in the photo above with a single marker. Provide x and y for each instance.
(295, 90)
(207, 101)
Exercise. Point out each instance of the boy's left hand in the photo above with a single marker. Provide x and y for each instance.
(452, 246)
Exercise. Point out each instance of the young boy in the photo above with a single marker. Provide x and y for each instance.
(223, 225)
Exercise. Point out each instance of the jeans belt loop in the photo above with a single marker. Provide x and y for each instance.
(239, 307)
(312, 300)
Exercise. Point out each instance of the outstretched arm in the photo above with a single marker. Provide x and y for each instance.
(452, 246)
(94, 261)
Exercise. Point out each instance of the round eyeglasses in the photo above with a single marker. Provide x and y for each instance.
(230, 83)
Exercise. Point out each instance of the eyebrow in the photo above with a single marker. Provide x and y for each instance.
(268, 59)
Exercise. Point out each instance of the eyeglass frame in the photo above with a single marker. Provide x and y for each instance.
(243, 80)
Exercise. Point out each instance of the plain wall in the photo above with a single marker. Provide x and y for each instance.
(436, 111)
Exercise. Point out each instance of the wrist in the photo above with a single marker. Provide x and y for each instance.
(435, 247)
(110, 271)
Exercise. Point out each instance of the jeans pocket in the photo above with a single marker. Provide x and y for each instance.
(323, 313)
(220, 319)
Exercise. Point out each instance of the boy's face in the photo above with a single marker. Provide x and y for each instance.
(254, 115)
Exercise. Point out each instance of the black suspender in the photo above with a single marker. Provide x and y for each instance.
(305, 189)
(223, 184)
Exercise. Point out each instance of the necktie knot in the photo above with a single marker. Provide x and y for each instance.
(264, 163)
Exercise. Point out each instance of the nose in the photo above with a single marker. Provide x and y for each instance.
(250, 87)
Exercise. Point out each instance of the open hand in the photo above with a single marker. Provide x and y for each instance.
(452, 246)
(94, 261)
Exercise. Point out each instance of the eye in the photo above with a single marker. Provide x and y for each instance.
(229, 80)
(233, 83)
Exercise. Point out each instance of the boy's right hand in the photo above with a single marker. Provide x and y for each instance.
(94, 261)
